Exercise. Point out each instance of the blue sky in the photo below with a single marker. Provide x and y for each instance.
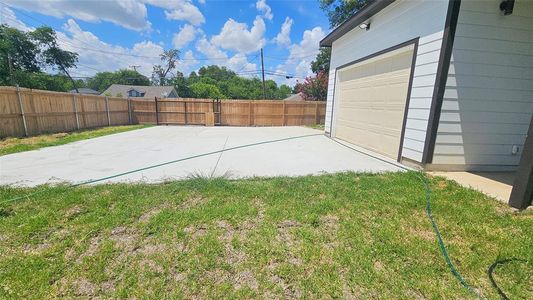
(109, 35)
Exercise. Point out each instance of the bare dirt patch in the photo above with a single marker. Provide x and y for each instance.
(195, 200)
(245, 279)
(289, 291)
(124, 237)
(196, 231)
(73, 211)
(83, 287)
(94, 245)
(145, 218)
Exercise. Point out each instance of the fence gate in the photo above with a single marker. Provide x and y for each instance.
(217, 110)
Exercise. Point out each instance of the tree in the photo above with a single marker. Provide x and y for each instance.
(284, 91)
(205, 90)
(321, 62)
(337, 11)
(51, 54)
(18, 55)
(315, 88)
(102, 80)
(23, 54)
(160, 72)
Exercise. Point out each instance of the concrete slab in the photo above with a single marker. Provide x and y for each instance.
(114, 154)
(496, 184)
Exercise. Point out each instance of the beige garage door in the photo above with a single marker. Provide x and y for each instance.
(371, 99)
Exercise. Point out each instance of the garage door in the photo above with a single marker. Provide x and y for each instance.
(371, 98)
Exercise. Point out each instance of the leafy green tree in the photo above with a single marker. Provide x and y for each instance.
(321, 62)
(17, 55)
(170, 59)
(205, 90)
(53, 56)
(337, 11)
(284, 91)
(23, 54)
(102, 80)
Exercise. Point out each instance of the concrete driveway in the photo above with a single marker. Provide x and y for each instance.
(114, 154)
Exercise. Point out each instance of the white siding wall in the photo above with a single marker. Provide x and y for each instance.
(399, 22)
(488, 100)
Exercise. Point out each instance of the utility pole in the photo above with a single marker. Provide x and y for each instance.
(263, 73)
(135, 68)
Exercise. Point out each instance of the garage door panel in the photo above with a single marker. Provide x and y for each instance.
(371, 102)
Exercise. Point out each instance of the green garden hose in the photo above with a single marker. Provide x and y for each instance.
(166, 163)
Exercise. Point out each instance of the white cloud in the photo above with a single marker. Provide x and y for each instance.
(184, 37)
(264, 8)
(185, 11)
(201, 1)
(130, 14)
(284, 36)
(302, 54)
(236, 36)
(8, 17)
(238, 62)
(186, 65)
(106, 57)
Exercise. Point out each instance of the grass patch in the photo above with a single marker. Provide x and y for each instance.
(14, 145)
(316, 126)
(331, 236)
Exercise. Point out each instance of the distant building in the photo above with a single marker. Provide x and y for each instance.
(86, 91)
(140, 91)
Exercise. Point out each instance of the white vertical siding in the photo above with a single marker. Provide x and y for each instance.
(488, 101)
(401, 21)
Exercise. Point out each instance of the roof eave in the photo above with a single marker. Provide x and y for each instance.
(372, 8)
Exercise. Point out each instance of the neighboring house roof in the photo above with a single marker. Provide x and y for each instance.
(297, 96)
(149, 91)
(86, 91)
(370, 9)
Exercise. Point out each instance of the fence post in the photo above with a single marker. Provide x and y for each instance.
(21, 106)
(75, 107)
(107, 111)
(317, 121)
(249, 113)
(156, 112)
(283, 119)
(130, 120)
(185, 108)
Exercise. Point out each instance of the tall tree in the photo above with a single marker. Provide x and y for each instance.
(337, 11)
(18, 55)
(52, 55)
(321, 62)
(160, 72)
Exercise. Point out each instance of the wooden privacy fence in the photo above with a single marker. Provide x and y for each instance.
(228, 112)
(26, 112)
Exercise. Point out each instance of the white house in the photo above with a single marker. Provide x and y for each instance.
(445, 85)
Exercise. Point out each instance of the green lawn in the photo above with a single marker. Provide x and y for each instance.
(331, 236)
(14, 145)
